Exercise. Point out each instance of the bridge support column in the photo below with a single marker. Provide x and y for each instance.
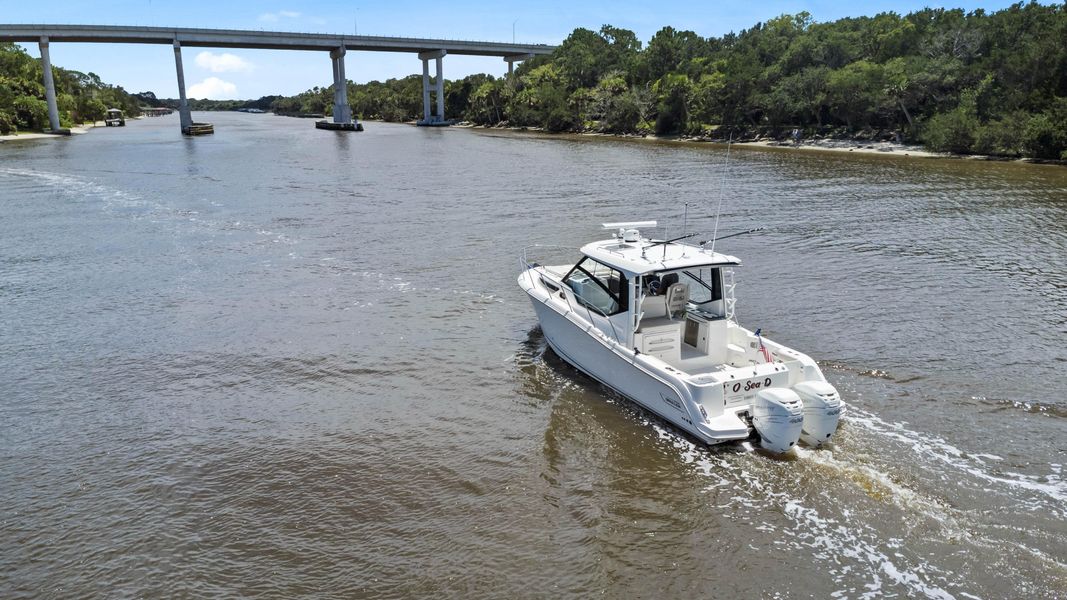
(437, 119)
(511, 60)
(49, 87)
(342, 113)
(425, 90)
(186, 117)
(440, 89)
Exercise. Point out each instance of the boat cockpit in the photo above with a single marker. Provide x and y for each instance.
(679, 315)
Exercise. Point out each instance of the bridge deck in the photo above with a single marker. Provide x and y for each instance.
(276, 40)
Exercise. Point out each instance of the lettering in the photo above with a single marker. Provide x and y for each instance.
(671, 401)
(750, 385)
(753, 385)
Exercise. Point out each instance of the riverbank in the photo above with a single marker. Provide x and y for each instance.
(78, 130)
(830, 145)
(855, 146)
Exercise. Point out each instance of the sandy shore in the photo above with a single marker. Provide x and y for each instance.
(855, 146)
(80, 129)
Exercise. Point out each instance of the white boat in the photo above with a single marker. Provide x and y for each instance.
(654, 321)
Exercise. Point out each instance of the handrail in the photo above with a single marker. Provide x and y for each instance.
(525, 250)
(525, 264)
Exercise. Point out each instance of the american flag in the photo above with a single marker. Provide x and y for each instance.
(762, 348)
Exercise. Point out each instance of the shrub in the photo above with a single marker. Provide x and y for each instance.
(1045, 137)
(623, 114)
(31, 111)
(953, 131)
(1001, 138)
(7, 123)
(561, 119)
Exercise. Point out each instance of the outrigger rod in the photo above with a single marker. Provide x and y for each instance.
(722, 192)
(672, 240)
(735, 234)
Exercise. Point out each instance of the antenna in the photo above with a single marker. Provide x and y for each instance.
(685, 222)
(722, 192)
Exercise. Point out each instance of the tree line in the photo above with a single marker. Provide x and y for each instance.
(969, 82)
(81, 97)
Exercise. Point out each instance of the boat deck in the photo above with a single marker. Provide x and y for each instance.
(695, 362)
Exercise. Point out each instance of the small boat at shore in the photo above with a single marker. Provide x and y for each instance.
(654, 321)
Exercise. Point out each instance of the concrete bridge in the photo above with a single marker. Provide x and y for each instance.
(336, 45)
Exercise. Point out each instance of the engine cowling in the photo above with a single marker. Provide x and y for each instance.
(778, 416)
(822, 410)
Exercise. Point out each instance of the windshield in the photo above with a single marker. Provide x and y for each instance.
(705, 285)
(598, 286)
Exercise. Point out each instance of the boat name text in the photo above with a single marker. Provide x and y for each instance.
(752, 384)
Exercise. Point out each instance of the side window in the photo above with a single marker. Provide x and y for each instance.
(598, 286)
(705, 285)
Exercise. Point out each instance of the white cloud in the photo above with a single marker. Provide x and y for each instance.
(281, 14)
(213, 88)
(221, 63)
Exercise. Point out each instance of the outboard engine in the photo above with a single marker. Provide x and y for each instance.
(822, 409)
(778, 414)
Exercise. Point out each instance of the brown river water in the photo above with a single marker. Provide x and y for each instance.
(282, 362)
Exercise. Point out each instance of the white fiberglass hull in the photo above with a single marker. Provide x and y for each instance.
(773, 397)
(589, 355)
(660, 392)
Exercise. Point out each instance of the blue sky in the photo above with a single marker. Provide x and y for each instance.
(228, 73)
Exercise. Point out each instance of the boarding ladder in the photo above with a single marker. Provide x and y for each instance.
(728, 296)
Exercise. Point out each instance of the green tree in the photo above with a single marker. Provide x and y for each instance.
(853, 92)
(673, 91)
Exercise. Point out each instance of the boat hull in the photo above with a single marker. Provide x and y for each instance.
(568, 337)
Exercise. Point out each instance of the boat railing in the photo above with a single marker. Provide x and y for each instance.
(538, 253)
(535, 252)
(533, 256)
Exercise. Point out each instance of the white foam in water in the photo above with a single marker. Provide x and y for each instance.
(79, 187)
(849, 547)
(114, 200)
(904, 497)
(836, 539)
(1051, 486)
(403, 286)
(841, 545)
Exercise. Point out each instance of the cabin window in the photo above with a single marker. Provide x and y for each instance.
(705, 285)
(599, 287)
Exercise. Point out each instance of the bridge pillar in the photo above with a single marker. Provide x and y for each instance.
(439, 88)
(185, 115)
(49, 86)
(342, 113)
(511, 60)
(425, 90)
